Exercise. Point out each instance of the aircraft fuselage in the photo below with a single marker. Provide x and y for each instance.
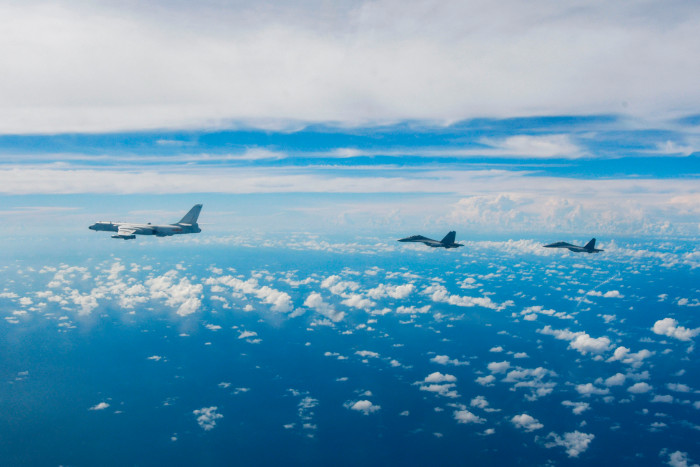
(145, 229)
(128, 230)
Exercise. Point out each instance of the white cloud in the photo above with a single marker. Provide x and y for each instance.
(669, 327)
(87, 302)
(498, 367)
(679, 459)
(608, 294)
(182, 294)
(465, 416)
(535, 146)
(315, 302)
(279, 301)
(358, 301)
(207, 417)
(575, 442)
(618, 379)
(438, 293)
(486, 380)
(589, 389)
(561, 334)
(678, 387)
(586, 344)
(526, 422)
(367, 353)
(445, 360)
(543, 204)
(100, 406)
(438, 377)
(411, 310)
(532, 379)
(444, 390)
(577, 407)
(480, 402)
(639, 388)
(393, 291)
(635, 359)
(580, 341)
(565, 205)
(663, 398)
(438, 383)
(358, 62)
(530, 313)
(364, 406)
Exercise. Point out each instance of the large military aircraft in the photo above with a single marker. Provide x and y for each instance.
(587, 248)
(128, 231)
(447, 242)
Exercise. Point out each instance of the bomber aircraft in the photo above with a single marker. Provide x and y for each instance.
(587, 248)
(447, 242)
(128, 231)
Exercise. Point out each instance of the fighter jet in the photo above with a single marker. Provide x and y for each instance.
(588, 248)
(128, 231)
(447, 242)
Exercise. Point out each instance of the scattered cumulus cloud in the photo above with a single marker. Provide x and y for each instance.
(315, 301)
(526, 422)
(207, 417)
(640, 388)
(577, 407)
(445, 360)
(679, 459)
(100, 406)
(669, 327)
(574, 443)
(465, 416)
(364, 406)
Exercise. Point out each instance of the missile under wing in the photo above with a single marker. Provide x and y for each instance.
(447, 242)
(587, 248)
(128, 231)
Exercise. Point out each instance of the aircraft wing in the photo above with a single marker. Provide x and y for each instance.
(419, 239)
(560, 245)
(126, 231)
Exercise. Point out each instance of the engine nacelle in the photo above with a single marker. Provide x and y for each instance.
(125, 237)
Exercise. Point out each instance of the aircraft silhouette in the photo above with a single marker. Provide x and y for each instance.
(447, 242)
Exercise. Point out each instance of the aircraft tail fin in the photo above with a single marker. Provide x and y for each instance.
(192, 216)
(590, 245)
(449, 238)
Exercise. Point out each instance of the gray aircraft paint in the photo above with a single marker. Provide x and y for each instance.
(447, 242)
(128, 231)
(587, 248)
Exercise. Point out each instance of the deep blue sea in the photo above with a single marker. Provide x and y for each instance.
(322, 352)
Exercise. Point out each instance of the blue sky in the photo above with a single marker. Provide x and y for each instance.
(562, 116)
(593, 174)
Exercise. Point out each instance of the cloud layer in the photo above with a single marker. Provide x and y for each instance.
(76, 66)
